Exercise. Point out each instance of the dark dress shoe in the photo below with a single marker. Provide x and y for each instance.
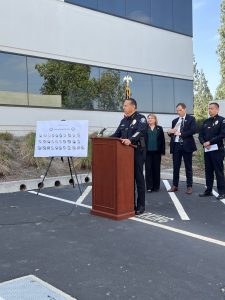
(206, 194)
(220, 197)
(189, 190)
(140, 211)
(173, 189)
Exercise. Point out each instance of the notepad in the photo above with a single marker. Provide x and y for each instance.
(213, 147)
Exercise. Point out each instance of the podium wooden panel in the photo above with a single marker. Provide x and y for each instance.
(112, 179)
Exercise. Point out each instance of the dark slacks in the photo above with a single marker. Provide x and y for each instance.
(139, 159)
(178, 153)
(152, 170)
(214, 162)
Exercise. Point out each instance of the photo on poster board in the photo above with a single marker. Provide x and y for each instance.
(67, 138)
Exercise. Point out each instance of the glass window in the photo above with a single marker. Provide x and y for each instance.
(183, 92)
(38, 93)
(65, 84)
(85, 3)
(138, 10)
(163, 96)
(94, 82)
(182, 14)
(115, 7)
(35, 81)
(111, 90)
(13, 79)
(162, 13)
(141, 91)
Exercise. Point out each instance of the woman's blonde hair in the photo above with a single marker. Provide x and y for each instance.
(154, 116)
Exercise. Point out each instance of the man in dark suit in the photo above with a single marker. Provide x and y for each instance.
(182, 144)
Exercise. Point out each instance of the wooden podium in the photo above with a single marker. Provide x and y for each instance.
(112, 179)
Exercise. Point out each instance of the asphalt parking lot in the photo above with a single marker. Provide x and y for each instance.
(176, 250)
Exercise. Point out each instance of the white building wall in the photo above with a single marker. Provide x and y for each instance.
(25, 118)
(54, 29)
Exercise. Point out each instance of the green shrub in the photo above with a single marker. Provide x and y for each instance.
(199, 123)
(84, 163)
(200, 158)
(6, 155)
(27, 151)
(6, 136)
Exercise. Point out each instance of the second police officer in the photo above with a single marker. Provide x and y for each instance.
(133, 130)
(211, 137)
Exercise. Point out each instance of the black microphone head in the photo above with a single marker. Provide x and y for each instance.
(101, 132)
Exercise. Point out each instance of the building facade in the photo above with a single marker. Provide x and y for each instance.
(67, 60)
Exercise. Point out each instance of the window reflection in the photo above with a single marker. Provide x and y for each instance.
(115, 7)
(183, 92)
(71, 81)
(35, 83)
(86, 3)
(111, 91)
(163, 97)
(182, 13)
(13, 79)
(69, 85)
(141, 90)
(175, 15)
(138, 10)
(94, 77)
(162, 13)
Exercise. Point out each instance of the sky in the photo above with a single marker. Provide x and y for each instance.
(206, 22)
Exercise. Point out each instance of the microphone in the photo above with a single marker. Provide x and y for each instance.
(101, 132)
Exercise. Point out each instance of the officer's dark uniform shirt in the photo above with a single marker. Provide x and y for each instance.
(133, 128)
(213, 130)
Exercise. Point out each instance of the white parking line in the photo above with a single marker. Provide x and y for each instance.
(216, 194)
(183, 232)
(187, 233)
(176, 202)
(84, 195)
(52, 197)
(78, 202)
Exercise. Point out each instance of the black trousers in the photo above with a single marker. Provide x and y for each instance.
(139, 159)
(214, 162)
(152, 170)
(178, 153)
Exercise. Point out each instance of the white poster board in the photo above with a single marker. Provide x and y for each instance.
(61, 138)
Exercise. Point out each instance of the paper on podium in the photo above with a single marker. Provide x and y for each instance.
(213, 147)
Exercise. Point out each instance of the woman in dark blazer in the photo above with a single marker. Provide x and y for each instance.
(155, 148)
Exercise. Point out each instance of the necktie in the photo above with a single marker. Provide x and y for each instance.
(182, 125)
(181, 129)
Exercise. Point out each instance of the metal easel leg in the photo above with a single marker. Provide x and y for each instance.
(46, 172)
(75, 173)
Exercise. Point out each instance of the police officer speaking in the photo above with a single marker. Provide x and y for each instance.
(133, 130)
(211, 137)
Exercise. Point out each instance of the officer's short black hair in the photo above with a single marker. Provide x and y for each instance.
(214, 103)
(133, 101)
(181, 104)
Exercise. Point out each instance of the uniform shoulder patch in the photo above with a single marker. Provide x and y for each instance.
(143, 120)
(223, 120)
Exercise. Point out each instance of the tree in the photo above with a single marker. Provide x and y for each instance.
(220, 91)
(71, 81)
(202, 94)
(111, 91)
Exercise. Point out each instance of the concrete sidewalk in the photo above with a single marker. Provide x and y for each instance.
(32, 184)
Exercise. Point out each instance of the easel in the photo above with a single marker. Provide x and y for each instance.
(71, 165)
